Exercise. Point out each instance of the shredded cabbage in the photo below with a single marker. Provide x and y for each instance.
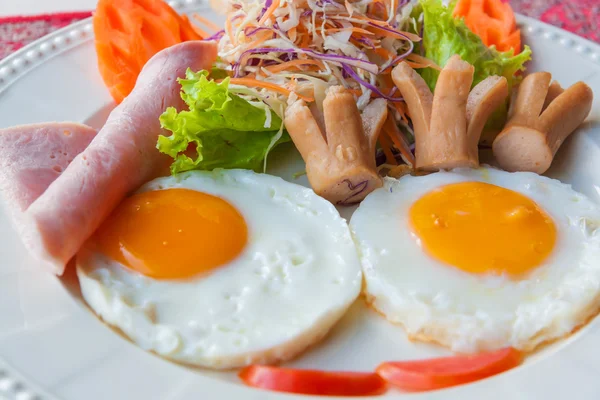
(339, 35)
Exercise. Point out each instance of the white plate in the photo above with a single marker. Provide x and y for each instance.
(52, 347)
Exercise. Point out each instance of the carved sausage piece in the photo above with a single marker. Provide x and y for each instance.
(542, 116)
(340, 162)
(448, 125)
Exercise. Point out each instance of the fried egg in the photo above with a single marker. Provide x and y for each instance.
(480, 259)
(222, 269)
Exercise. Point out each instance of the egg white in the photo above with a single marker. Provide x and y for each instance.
(466, 312)
(296, 277)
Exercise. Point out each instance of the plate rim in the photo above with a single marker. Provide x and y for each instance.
(13, 383)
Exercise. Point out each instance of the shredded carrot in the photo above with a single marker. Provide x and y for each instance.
(383, 32)
(327, 22)
(206, 22)
(394, 133)
(293, 34)
(371, 9)
(354, 29)
(380, 51)
(269, 12)
(415, 65)
(260, 40)
(387, 81)
(400, 35)
(287, 65)
(386, 146)
(422, 62)
(349, 8)
(355, 39)
(301, 33)
(301, 28)
(267, 85)
(305, 41)
(401, 108)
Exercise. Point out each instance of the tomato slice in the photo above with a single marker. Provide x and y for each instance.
(128, 33)
(449, 371)
(313, 382)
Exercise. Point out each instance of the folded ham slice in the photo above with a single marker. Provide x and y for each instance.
(33, 156)
(122, 157)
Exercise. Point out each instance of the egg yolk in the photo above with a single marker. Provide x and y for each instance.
(483, 228)
(173, 233)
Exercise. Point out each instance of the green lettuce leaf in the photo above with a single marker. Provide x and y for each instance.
(219, 129)
(445, 36)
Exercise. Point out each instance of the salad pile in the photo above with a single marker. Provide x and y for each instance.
(272, 52)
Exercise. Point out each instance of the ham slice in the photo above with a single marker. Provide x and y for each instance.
(121, 158)
(33, 156)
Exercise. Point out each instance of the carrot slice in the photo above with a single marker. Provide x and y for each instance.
(462, 7)
(513, 41)
(128, 33)
(493, 21)
(312, 382)
(450, 371)
(267, 85)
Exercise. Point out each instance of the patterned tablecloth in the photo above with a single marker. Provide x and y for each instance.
(579, 16)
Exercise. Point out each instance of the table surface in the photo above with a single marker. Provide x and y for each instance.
(31, 7)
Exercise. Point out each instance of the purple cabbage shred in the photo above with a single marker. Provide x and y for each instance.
(216, 36)
(367, 42)
(369, 86)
